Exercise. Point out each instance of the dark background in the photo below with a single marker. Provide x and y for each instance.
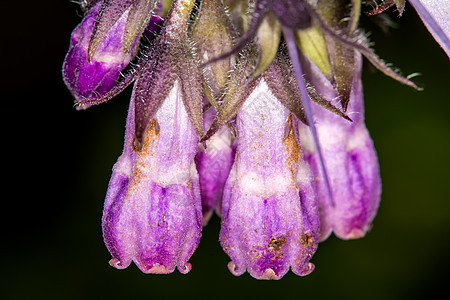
(58, 161)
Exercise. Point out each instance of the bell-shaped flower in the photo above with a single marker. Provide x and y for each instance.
(349, 158)
(270, 219)
(214, 165)
(152, 212)
(273, 164)
(104, 43)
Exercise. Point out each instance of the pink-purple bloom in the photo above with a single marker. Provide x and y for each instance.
(350, 160)
(254, 112)
(104, 43)
(152, 211)
(270, 217)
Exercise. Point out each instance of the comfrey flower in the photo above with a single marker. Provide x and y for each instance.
(350, 161)
(104, 44)
(250, 109)
(152, 211)
(270, 219)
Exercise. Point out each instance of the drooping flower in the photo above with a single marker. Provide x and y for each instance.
(270, 220)
(152, 211)
(104, 43)
(345, 165)
(253, 110)
(270, 216)
(350, 160)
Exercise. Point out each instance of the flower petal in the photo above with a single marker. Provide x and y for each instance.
(435, 15)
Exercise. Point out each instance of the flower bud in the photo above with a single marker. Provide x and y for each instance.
(152, 212)
(103, 44)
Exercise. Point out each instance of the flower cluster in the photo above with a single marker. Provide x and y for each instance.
(249, 109)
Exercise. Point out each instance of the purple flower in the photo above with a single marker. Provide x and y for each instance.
(103, 44)
(276, 85)
(350, 161)
(270, 219)
(152, 212)
(214, 165)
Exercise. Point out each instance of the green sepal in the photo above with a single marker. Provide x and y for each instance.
(269, 35)
(212, 35)
(312, 43)
(400, 4)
